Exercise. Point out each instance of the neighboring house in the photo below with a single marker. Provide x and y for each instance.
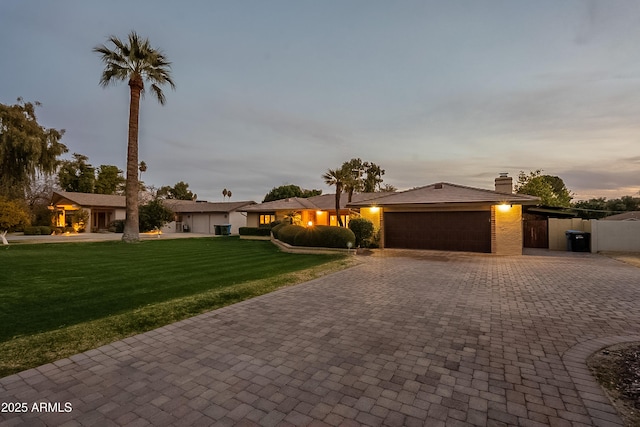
(102, 209)
(316, 210)
(202, 217)
(450, 217)
(626, 216)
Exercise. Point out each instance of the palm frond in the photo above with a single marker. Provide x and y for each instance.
(135, 57)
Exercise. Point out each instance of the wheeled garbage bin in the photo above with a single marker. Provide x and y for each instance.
(578, 241)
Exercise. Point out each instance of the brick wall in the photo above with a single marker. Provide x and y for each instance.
(506, 230)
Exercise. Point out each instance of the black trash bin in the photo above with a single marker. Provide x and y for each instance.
(578, 241)
(222, 229)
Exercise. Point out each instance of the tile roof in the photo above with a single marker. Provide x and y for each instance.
(184, 206)
(89, 199)
(324, 202)
(445, 193)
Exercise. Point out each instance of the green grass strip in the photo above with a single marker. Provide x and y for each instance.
(30, 351)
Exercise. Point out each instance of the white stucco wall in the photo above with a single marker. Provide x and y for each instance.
(205, 222)
(617, 236)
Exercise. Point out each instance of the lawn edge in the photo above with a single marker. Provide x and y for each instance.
(35, 350)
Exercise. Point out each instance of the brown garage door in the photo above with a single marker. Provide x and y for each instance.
(448, 231)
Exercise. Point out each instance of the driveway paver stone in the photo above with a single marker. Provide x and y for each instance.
(405, 338)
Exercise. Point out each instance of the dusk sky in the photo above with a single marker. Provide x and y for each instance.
(276, 92)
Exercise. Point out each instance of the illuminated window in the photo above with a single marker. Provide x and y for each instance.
(333, 221)
(267, 219)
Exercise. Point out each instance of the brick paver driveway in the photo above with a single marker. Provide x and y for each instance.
(414, 338)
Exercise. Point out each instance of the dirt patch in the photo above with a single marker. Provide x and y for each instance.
(632, 258)
(617, 369)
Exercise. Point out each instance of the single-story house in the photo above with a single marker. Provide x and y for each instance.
(202, 217)
(316, 210)
(102, 209)
(450, 217)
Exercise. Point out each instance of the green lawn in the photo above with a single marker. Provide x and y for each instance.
(58, 299)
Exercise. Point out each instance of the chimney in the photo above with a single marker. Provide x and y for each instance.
(504, 183)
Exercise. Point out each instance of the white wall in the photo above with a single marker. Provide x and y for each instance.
(205, 222)
(617, 236)
(558, 227)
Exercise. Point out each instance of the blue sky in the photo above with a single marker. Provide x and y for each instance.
(277, 92)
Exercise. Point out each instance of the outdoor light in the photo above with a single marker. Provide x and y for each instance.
(374, 209)
(504, 207)
(310, 224)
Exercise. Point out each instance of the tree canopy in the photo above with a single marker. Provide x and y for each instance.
(551, 189)
(180, 191)
(79, 176)
(109, 180)
(362, 176)
(290, 190)
(26, 148)
(12, 214)
(600, 207)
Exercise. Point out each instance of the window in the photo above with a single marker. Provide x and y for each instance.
(333, 221)
(267, 219)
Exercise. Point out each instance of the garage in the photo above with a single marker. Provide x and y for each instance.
(468, 231)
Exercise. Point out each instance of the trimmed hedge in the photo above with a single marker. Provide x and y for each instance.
(276, 228)
(288, 233)
(254, 231)
(41, 230)
(320, 236)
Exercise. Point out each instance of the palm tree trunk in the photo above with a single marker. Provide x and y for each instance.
(131, 227)
(338, 193)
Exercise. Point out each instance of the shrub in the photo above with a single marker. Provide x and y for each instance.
(324, 236)
(363, 230)
(153, 215)
(79, 220)
(117, 226)
(45, 230)
(31, 231)
(254, 231)
(288, 233)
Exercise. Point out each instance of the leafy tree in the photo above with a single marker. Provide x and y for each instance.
(601, 207)
(154, 215)
(551, 189)
(77, 175)
(180, 191)
(373, 179)
(37, 198)
(26, 148)
(388, 188)
(109, 180)
(12, 214)
(337, 178)
(288, 191)
(361, 177)
(134, 61)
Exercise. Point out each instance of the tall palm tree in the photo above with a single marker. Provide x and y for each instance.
(337, 178)
(136, 61)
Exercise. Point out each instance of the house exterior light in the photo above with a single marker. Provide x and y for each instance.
(310, 224)
(504, 207)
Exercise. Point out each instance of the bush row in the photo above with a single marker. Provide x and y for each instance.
(40, 230)
(320, 236)
(254, 231)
